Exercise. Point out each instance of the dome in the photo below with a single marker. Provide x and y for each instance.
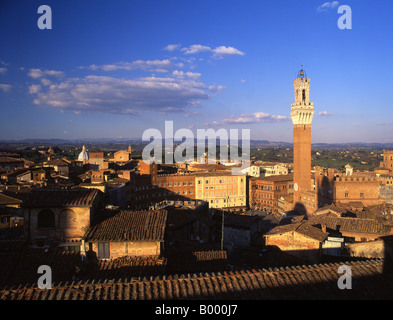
(84, 155)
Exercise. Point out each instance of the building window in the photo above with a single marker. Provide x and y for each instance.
(346, 194)
(103, 250)
(361, 195)
(46, 219)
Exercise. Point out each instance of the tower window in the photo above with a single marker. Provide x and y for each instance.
(304, 95)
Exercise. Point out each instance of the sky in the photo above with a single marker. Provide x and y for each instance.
(114, 69)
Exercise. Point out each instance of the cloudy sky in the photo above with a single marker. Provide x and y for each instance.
(111, 69)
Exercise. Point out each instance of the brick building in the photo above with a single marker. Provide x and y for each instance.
(264, 192)
(332, 187)
(96, 161)
(127, 233)
(151, 187)
(387, 161)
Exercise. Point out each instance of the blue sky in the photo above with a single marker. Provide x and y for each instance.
(116, 68)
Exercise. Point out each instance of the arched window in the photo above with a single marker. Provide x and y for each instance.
(46, 219)
(67, 219)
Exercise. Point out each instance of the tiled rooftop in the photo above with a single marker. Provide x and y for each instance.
(352, 225)
(303, 228)
(369, 281)
(127, 225)
(61, 197)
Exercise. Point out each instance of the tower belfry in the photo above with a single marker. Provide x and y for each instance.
(302, 112)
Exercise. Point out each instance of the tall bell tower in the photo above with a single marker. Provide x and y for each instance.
(302, 111)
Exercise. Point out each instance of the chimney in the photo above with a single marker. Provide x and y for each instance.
(323, 227)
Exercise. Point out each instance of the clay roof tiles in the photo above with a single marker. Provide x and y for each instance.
(301, 282)
(352, 225)
(61, 198)
(128, 225)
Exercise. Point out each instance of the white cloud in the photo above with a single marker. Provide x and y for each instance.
(182, 74)
(196, 48)
(325, 114)
(155, 65)
(218, 52)
(46, 82)
(327, 5)
(34, 88)
(216, 88)
(3, 70)
(222, 51)
(250, 118)
(172, 47)
(5, 87)
(124, 96)
(38, 73)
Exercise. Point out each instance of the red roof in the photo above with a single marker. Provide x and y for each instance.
(128, 225)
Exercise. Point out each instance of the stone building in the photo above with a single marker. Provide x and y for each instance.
(122, 155)
(59, 217)
(298, 239)
(222, 189)
(9, 163)
(59, 166)
(127, 233)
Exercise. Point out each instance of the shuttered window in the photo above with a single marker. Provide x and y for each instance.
(103, 250)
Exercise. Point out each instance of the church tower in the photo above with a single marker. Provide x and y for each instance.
(302, 111)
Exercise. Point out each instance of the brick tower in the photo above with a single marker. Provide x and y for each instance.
(302, 111)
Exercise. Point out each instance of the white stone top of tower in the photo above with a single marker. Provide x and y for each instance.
(302, 110)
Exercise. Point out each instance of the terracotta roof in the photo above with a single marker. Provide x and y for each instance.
(61, 198)
(352, 225)
(56, 162)
(125, 267)
(303, 228)
(301, 282)
(9, 160)
(127, 225)
(275, 178)
(8, 200)
(20, 262)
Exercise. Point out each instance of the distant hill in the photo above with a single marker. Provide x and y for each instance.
(121, 142)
